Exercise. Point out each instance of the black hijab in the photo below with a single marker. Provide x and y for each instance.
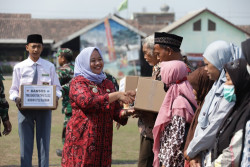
(237, 117)
(245, 46)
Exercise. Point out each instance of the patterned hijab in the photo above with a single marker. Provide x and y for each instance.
(217, 53)
(173, 74)
(82, 66)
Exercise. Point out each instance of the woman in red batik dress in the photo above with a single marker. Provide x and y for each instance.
(95, 105)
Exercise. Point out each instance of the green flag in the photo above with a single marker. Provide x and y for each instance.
(123, 5)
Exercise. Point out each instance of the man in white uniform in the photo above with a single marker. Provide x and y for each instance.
(36, 71)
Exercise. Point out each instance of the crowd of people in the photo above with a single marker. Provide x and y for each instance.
(204, 119)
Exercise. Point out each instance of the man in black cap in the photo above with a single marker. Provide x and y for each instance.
(167, 46)
(36, 71)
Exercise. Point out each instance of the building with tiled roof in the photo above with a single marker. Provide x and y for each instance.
(18, 26)
(58, 33)
(14, 29)
(246, 28)
(72, 33)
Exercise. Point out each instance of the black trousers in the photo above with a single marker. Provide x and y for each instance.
(146, 155)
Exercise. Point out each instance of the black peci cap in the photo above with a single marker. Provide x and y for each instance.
(34, 38)
(171, 40)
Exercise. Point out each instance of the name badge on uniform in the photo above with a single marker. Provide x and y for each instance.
(45, 83)
(25, 76)
(94, 88)
(45, 75)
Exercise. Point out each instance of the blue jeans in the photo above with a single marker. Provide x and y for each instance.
(27, 121)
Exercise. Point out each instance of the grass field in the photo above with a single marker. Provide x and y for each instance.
(125, 140)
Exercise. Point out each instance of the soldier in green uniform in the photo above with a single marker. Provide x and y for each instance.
(112, 79)
(65, 74)
(4, 107)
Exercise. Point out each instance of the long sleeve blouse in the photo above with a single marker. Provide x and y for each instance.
(204, 138)
(89, 132)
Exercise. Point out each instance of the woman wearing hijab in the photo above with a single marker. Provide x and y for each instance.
(215, 106)
(245, 45)
(176, 111)
(95, 105)
(201, 84)
(228, 146)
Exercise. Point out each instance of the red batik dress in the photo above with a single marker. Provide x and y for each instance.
(89, 132)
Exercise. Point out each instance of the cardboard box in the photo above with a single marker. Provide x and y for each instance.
(38, 97)
(128, 83)
(150, 95)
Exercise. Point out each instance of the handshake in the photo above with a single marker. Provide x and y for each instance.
(127, 97)
(126, 100)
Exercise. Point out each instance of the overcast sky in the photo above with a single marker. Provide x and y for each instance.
(235, 11)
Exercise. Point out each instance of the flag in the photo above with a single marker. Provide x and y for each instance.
(123, 5)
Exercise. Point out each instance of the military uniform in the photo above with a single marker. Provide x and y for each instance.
(65, 74)
(4, 105)
(113, 80)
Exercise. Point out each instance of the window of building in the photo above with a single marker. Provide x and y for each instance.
(197, 26)
(211, 25)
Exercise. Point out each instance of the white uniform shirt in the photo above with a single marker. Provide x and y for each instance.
(24, 71)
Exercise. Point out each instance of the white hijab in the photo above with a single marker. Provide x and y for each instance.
(217, 53)
(82, 66)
